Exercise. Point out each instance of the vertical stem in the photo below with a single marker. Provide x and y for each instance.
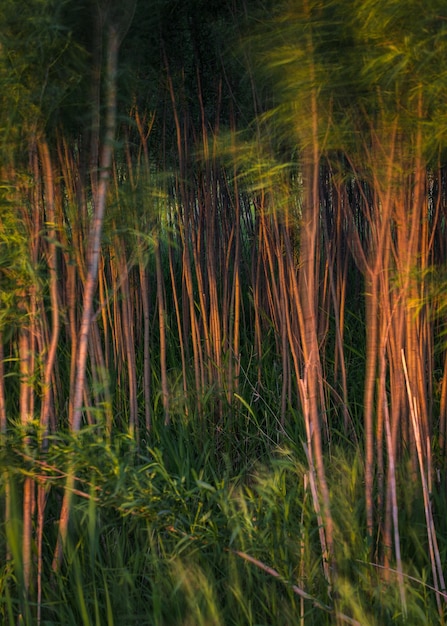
(3, 420)
(52, 269)
(309, 291)
(394, 505)
(370, 380)
(162, 330)
(28, 499)
(178, 316)
(91, 280)
(96, 229)
(146, 348)
(435, 557)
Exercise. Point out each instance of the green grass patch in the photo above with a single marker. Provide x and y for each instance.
(171, 534)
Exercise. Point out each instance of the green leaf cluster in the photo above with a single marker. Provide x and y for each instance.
(16, 271)
(40, 66)
(341, 72)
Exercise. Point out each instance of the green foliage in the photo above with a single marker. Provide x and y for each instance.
(161, 536)
(40, 65)
(209, 520)
(16, 270)
(344, 72)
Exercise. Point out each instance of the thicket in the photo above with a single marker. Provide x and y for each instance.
(223, 374)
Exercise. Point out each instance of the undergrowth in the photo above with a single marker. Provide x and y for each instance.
(176, 532)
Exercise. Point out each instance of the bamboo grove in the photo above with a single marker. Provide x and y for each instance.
(195, 197)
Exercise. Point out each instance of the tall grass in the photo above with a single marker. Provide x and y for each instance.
(174, 533)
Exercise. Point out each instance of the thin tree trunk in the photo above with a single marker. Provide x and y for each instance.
(26, 349)
(308, 294)
(26, 392)
(92, 275)
(96, 230)
(52, 269)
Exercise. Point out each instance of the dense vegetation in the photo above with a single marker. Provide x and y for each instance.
(223, 366)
